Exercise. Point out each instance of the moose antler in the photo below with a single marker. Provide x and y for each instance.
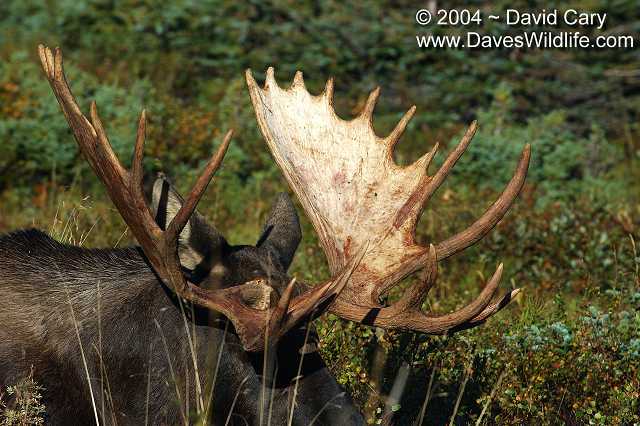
(256, 328)
(355, 196)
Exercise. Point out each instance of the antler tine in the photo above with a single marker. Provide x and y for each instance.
(492, 215)
(370, 105)
(55, 74)
(94, 144)
(185, 212)
(285, 299)
(289, 312)
(298, 79)
(46, 63)
(399, 317)
(304, 305)
(138, 154)
(451, 161)
(495, 307)
(478, 305)
(424, 162)
(397, 132)
(422, 193)
(414, 296)
(270, 80)
(278, 315)
(414, 202)
(328, 91)
(103, 146)
(487, 312)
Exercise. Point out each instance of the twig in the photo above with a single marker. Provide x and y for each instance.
(427, 397)
(491, 395)
(467, 374)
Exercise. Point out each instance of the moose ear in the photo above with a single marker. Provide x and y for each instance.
(281, 233)
(199, 244)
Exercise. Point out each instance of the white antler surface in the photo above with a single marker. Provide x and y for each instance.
(356, 196)
(343, 173)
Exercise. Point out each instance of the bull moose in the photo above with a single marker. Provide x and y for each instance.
(188, 328)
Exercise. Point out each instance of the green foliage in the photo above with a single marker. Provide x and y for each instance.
(361, 44)
(564, 166)
(38, 144)
(22, 405)
(586, 369)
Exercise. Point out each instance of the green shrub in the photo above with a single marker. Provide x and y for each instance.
(37, 143)
(22, 405)
(564, 166)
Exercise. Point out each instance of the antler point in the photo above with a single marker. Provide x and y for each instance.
(397, 132)
(367, 112)
(271, 79)
(57, 64)
(248, 75)
(328, 89)
(298, 79)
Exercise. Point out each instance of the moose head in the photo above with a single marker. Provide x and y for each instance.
(362, 205)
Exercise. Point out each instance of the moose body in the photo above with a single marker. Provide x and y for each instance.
(187, 323)
(137, 349)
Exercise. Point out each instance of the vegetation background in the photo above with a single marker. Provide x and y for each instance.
(568, 350)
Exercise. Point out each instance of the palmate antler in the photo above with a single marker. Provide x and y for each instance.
(256, 328)
(359, 200)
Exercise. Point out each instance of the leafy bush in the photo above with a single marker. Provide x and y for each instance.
(38, 145)
(582, 368)
(21, 405)
(563, 166)
(362, 44)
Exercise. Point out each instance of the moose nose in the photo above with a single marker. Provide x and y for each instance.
(257, 294)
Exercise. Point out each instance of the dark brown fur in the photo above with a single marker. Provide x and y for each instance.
(133, 334)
